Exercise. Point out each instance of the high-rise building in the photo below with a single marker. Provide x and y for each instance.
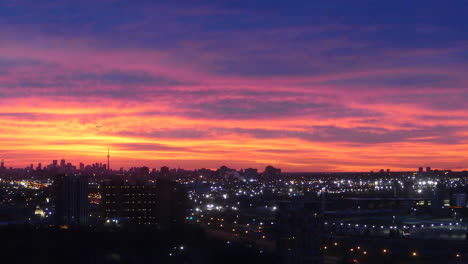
(71, 200)
(55, 163)
(172, 202)
(62, 163)
(2, 164)
(134, 201)
(421, 170)
(428, 169)
(300, 232)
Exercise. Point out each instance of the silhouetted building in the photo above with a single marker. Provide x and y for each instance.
(62, 163)
(300, 232)
(71, 200)
(271, 172)
(144, 171)
(408, 188)
(2, 164)
(172, 202)
(164, 172)
(251, 173)
(396, 188)
(438, 200)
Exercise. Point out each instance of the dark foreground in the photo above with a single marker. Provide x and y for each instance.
(184, 244)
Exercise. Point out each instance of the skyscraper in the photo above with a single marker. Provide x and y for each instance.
(2, 164)
(62, 163)
(71, 200)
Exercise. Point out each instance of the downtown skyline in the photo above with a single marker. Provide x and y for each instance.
(300, 86)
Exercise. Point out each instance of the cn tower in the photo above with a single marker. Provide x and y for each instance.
(108, 158)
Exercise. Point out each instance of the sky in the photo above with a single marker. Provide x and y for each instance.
(301, 85)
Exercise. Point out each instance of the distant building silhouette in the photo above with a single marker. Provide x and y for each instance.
(164, 172)
(251, 173)
(71, 200)
(272, 172)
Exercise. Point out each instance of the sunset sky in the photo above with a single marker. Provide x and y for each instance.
(300, 85)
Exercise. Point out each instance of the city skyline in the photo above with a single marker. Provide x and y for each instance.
(300, 86)
(78, 165)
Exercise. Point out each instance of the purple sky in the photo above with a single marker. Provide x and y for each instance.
(301, 85)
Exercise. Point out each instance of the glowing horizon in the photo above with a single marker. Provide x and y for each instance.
(302, 87)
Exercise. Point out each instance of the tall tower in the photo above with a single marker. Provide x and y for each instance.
(2, 164)
(108, 158)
